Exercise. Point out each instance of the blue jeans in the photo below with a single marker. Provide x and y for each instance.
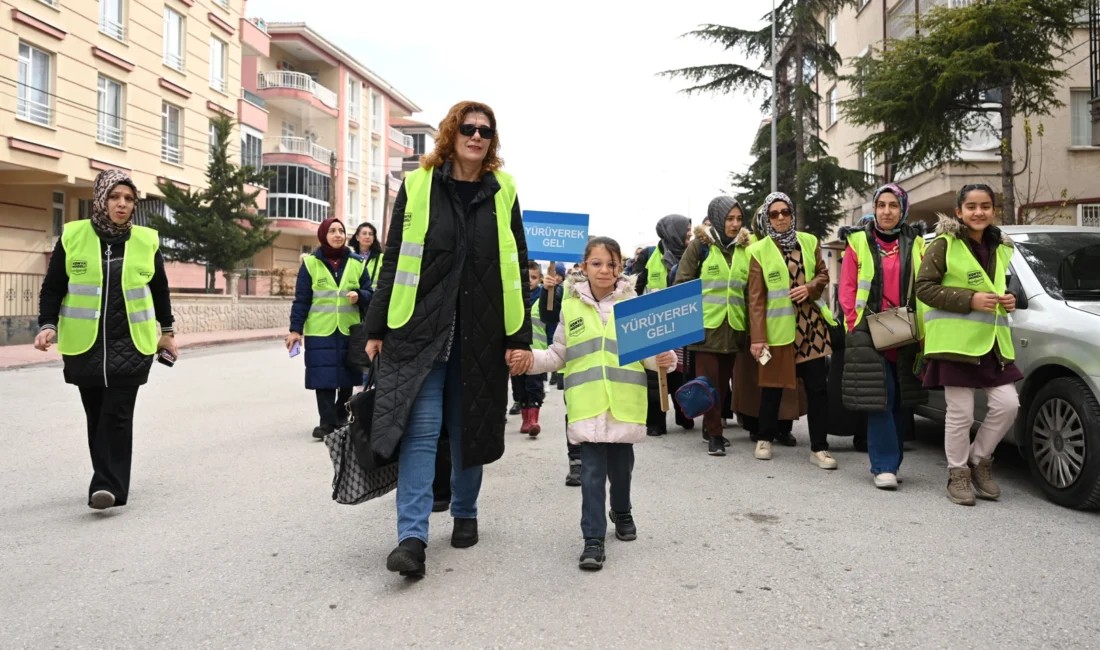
(439, 401)
(886, 429)
(602, 462)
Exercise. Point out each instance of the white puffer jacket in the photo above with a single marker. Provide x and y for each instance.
(604, 427)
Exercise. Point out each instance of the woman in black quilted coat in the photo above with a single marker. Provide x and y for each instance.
(111, 371)
(447, 364)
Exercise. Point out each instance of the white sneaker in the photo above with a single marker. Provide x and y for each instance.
(763, 450)
(101, 500)
(823, 459)
(886, 481)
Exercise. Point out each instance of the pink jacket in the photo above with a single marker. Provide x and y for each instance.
(891, 285)
(604, 427)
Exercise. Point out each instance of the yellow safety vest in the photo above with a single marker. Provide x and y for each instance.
(418, 188)
(538, 329)
(858, 242)
(331, 309)
(373, 266)
(79, 322)
(594, 380)
(656, 273)
(971, 334)
(724, 288)
(781, 314)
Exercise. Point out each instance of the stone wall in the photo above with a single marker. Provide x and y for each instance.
(18, 330)
(213, 313)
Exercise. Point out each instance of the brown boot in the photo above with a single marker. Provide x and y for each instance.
(533, 428)
(959, 488)
(981, 475)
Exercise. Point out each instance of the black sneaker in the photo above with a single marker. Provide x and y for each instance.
(464, 534)
(408, 558)
(516, 408)
(716, 446)
(685, 423)
(654, 431)
(786, 438)
(625, 529)
(592, 557)
(441, 505)
(573, 478)
(322, 431)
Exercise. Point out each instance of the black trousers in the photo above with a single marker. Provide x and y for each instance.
(110, 414)
(814, 375)
(441, 486)
(330, 406)
(655, 417)
(529, 390)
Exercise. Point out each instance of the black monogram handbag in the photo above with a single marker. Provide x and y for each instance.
(359, 474)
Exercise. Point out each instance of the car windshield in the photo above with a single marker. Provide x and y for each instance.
(1067, 263)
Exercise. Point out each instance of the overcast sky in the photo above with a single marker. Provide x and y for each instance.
(585, 124)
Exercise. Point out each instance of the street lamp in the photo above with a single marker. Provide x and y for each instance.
(775, 115)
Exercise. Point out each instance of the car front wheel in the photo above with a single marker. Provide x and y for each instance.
(1062, 443)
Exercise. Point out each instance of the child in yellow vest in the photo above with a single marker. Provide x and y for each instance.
(606, 403)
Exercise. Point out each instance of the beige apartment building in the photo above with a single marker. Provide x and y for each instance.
(1066, 192)
(330, 138)
(89, 85)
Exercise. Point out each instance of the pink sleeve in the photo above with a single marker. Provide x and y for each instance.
(849, 281)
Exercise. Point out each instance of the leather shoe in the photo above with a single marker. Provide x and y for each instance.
(464, 534)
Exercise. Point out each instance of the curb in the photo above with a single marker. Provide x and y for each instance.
(187, 346)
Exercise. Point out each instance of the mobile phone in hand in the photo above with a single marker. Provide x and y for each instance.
(166, 358)
(765, 356)
(295, 349)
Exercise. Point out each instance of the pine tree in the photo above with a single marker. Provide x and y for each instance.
(929, 92)
(219, 226)
(815, 180)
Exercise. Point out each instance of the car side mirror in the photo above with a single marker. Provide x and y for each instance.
(1017, 289)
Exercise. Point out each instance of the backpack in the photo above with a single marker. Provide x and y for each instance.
(696, 397)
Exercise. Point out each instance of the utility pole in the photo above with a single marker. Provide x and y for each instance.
(331, 182)
(775, 113)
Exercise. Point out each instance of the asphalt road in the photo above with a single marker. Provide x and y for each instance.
(231, 540)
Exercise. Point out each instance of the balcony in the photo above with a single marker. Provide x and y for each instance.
(277, 147)
(401, 143)
(280, 85)
(255, 40)
(32, 111)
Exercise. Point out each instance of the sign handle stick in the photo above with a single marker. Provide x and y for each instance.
(662, 375)
(550, 297)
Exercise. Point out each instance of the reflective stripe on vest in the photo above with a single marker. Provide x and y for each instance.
(866, 274)
(418, 190)
(781, 318)
(331, 309)
(656, 273)
(374, 265)
(538, 329)
(594, 380)
(971, 334)
(724, 288)
(79, 319)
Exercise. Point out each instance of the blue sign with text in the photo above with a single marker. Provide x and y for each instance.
(660, 321)
(555, 236)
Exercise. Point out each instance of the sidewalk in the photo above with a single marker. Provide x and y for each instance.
(22, 356)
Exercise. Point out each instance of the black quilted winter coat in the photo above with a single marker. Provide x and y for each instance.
(460, 274)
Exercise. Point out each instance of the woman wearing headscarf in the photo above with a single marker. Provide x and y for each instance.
(718, 255)
(365, 243)
(332, 289)
(879, 268)
(654, 267)
(789, 325)
(104, 293)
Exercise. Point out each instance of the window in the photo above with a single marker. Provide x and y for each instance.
(1089, 215)
(418, 144)
(376, 112)
(831, 108)
(109, 112)
(173, 39)
(218, 68)
(832, 30)
(352, 209)
(170, 129)
(252, 148)
(867, 163)
(354, 153)
(1081, 117)
(58, 213)
(111, 20)
(224, 4)
(289, 130)
(355, 96)
(34, 99)
(297, 192)
(212, 141)
(287, 65)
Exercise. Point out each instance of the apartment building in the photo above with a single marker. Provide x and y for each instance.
(331, 137)
(90, 85)
(1068, 154)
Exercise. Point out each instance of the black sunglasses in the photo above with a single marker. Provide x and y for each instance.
(775, 214)
(487, 132)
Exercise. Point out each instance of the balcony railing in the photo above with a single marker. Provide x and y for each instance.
(224, 4)
(253, 98)
(353, 112)
(36, 112)
(400, 138)
(376, 173)
(300, 146)
(108, 134)
(297, 81)
(260, 24)
(354, 167)
(170, 153)
(112, 28)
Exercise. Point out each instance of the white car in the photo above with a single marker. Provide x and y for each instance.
(1055, 274)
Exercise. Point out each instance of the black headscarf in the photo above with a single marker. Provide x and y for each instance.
(673, 231)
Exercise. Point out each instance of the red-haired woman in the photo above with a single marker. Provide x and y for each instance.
(449, 305)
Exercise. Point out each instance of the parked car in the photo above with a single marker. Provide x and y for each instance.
(1055, 274)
